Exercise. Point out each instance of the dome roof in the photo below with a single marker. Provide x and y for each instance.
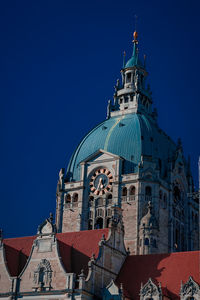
(134, 60)
(128, 136)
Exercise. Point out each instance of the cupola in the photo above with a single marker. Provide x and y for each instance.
(132, 95)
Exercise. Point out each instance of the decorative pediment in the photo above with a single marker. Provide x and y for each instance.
(42, 276)
(101, 155)
(47, 227)
(150, 290)
(190, 289)
(112, 291)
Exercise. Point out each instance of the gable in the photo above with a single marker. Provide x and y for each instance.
(17, 251)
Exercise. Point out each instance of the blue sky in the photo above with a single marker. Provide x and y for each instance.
(59, 61)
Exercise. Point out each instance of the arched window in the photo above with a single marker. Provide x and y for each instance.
(132, 193)
(146, 242)
(148, 193)
(125, 99)
(109, 199)
(128, 77)
(109, 212)
(67, 200)
(100, 212)
(124, 194)
(124, 191)
(75, 200)
(99, 223)
(99, 202)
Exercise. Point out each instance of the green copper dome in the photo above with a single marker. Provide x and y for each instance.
(129, 136)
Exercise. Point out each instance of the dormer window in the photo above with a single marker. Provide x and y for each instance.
(150, 291)
(190, 290)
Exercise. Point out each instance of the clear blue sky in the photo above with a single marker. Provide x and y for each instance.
(59, 61)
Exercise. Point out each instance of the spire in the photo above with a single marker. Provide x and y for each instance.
(134, 60)
(135, 48)
(124, 58)
(135, 36)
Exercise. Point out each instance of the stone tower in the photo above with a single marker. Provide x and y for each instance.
(128, 162)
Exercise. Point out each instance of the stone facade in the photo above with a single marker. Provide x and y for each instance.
(139, 163)
(111, 273)
(124, 195)
(44, 274)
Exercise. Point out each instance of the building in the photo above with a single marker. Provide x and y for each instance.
(125, 227)
(128, 161)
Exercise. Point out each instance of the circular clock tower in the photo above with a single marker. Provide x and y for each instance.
(128, 162)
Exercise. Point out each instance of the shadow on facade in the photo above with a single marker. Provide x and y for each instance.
(73, 260)
(138, 269)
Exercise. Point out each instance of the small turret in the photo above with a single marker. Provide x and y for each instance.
(148, 232)
(132, 95)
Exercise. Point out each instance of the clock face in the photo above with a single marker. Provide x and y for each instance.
(101, 182)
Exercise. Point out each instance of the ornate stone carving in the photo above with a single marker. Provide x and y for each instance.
(150, 290)
(47, 227)
(189, 289)
(43, 275)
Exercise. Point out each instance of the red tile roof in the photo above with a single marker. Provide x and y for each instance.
(75, 248)
(80, 246)
(168, 269)
(17, 251)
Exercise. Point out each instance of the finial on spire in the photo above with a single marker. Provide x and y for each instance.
(135, 34)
